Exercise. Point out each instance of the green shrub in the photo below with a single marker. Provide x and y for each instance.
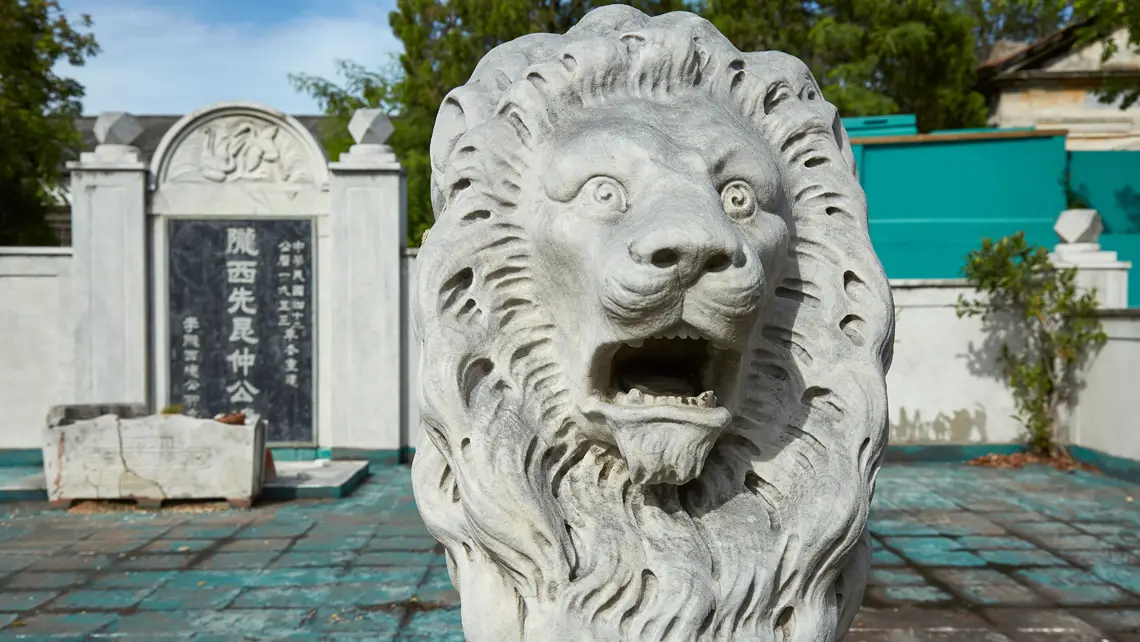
(1047, 328)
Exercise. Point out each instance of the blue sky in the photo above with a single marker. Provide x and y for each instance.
(173, 56)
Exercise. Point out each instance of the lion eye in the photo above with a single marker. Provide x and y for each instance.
(739, 200)
(608, 193)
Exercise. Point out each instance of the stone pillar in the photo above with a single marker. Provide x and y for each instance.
(369, 232)
(109, 271)
(1079, 231)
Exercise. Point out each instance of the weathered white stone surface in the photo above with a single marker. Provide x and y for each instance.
(1097, 269)
(1079, 226)
(154, 457)
(655, 336)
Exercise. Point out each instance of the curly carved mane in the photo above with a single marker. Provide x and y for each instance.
(764, 543)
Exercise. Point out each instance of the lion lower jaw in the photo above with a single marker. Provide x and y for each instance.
(668, 452)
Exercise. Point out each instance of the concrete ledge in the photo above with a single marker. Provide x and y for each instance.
(1111, 465)
(21, 457)
(295, 480)
(315, 479)
(946, 453)
(34, 456)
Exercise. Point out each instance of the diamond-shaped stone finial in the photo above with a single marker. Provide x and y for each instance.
(116, 128)
(370, 127)
(1078, 226)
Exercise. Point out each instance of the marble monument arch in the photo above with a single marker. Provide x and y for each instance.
(655, 336)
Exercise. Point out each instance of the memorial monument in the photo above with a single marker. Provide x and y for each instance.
(655, 336)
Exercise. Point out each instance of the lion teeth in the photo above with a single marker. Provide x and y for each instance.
(636, 397)
(635, 343)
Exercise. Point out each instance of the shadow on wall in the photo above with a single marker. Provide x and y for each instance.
(961, 426)
(984, 359)
(1128, 201)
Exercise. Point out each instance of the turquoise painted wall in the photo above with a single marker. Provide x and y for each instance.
(932, 202)
(1110, 182)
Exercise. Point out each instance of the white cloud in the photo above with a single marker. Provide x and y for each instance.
(158, 58)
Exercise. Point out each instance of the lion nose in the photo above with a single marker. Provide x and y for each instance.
(693, 249)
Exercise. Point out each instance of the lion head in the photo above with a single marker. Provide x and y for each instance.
(655, 337)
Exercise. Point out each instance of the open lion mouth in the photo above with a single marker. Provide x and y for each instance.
(676, 368)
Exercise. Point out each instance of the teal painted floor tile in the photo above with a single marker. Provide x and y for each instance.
(132, 579)
(155, 562)
(101, 600)
(203, 532)
(896, 577)
(408, 576)
(914, 594)
(73, 563)
(210, 579)
(369, 595)
(178, 545)
(401, 544)
(1102, 558)
(275, 531)
(922, 543)
(886, 558)
(382, 624)
(1021, 558)
(895, 527)
(169, 598)
(330, 544)
(282, 597)
(943, 558)
(24, 600)
(983, 543)
(440, 625)
(292, 559)
(1127, 578)
(44, 581)
(12, 563)
(394, 558)
(237, 561)
(295, 577)
(61, 625)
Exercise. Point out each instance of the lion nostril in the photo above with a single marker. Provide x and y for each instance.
(664, 258)
(718, 263)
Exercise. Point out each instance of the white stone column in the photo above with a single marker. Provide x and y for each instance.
(1079, 231)
(369, 231)
(109, 270)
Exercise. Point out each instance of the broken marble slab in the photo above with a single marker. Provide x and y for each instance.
(151, 458)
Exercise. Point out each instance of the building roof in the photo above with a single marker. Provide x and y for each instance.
(156, 126)
(1011, 62)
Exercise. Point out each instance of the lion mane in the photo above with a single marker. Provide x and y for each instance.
(546, 535)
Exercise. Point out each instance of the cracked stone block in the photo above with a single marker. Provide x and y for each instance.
(116, 128)
(153, 458)
(1078, 226)
(69, 414)
(370, 127)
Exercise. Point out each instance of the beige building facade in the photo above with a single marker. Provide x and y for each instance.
(1051, 84)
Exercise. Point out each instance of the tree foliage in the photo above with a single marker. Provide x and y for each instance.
(1047, 328)
(872, 57)
(38, 109)
(1108, 16)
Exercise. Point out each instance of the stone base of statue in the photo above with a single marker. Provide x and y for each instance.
(120, 452)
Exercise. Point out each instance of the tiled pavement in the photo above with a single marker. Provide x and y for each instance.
(961, 554)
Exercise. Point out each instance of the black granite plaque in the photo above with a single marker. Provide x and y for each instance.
(241, 321)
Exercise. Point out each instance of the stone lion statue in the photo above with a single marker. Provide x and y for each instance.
(655, 337)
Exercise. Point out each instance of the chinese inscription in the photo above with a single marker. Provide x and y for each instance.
(241, 321)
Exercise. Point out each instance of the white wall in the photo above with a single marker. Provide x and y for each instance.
(944, 386)
(1107, 408)
(36, 343)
